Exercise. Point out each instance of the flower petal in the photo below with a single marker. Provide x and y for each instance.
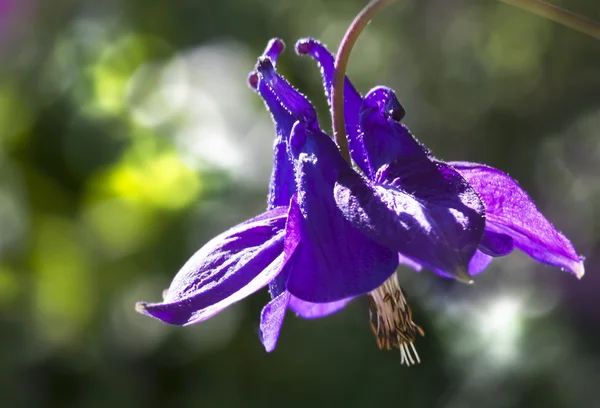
(273, 314)
(274, 49)
(291, 242)
(271, 320)
(352, 99)
(479, 262)
(282, 185)
(333, 260)
(228, 268)
(510, 211)
(494, 244)
(292, 100)
(384, 138)
(422, 209)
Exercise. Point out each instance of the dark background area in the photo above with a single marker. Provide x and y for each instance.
(128, 138)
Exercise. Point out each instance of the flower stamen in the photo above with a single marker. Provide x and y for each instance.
(390, 319)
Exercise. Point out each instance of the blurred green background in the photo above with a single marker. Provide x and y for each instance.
(128, 138)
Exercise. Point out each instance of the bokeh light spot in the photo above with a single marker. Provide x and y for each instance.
(499, 326)
(115, 66)
(151, 176)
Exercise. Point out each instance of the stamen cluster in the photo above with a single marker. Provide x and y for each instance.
(391, 321)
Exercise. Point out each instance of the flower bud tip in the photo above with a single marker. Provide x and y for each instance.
(253, 80)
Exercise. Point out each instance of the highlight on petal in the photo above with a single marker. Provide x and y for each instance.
(334, 260)
(510, 211)
(424, 210)
(308, 310)
(406, 261)
(352, 99)
(228, 268)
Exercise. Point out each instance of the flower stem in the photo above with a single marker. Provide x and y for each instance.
(558, 15)
(341, 63)
(342, 57)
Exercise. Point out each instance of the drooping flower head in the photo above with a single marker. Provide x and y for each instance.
(334, 229)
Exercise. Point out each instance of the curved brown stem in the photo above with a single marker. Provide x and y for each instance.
(341, 63)
(342, 57)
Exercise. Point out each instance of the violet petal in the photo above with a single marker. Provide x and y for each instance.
(510, 211)
(271, 320)
(273, 315)
(292, 240)
(334, 260)
(479, 263)
(422, 209)
(282, 185)
(274, 49)
(352, 99)
(494, 244)
(384, 138)
(228, 268)
(292, 100)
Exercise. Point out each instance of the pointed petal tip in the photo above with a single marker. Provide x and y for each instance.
(165, 313)
(578, 269)
(267, 340)
(462, 275)
(140, 307)
(269, 349)
(269, 346)
(511, 211)
(271, 320)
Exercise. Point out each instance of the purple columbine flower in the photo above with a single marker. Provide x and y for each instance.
(332, 232)
(376, 138)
